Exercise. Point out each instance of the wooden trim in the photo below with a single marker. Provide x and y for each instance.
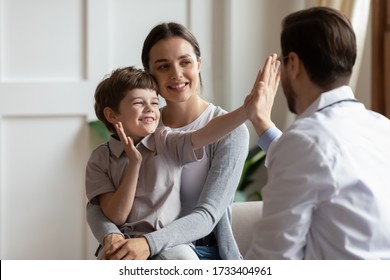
(378, 19)
(386, 97)
(381, 56)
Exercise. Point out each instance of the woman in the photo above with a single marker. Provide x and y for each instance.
(172, 55)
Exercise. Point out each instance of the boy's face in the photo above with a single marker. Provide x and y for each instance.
(139, 113)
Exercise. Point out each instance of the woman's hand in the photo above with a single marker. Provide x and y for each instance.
(128, 249)
(111, 242)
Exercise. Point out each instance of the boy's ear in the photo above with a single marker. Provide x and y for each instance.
(110, 115)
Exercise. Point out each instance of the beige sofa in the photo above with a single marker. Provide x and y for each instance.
(244, 216)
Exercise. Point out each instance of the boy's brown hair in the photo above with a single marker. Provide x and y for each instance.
(114, 87)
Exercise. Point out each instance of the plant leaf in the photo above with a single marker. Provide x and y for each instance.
(254, 160)
(100, 129)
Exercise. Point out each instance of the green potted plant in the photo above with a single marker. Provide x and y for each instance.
(99, 128)
(254, 160)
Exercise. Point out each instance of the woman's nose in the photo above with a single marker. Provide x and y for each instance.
(176, 73)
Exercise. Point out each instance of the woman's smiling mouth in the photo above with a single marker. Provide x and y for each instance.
(178, 87)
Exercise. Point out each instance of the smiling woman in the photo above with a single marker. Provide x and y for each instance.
(136, 181)
(172, 55)
(177, 72)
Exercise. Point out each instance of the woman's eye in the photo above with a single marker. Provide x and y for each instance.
(186, 62)
(162, 67)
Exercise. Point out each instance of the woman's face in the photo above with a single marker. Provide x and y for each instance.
(176, 69)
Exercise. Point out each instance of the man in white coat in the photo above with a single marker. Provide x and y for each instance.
(328, 190)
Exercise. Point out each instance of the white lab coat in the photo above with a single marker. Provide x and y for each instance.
(328, 190)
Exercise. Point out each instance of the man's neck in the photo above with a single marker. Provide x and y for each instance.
(311, 92)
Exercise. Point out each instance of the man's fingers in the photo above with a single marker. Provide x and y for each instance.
(277, 80)
(266, 69)
(268, 76)
(273, 70)
(275, 76)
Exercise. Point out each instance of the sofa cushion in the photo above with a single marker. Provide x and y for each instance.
(244, 216)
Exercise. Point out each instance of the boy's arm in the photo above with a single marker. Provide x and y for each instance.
(257, 107)
(117, 205)
(218, 127)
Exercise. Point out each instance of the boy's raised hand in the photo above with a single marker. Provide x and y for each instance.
(259, 102)
(132, 153)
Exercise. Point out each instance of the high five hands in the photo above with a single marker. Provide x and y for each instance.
(259, 102)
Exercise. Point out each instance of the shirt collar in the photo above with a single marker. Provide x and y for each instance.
(117, 149)
(327, 98)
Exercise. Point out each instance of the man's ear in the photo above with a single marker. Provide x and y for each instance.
(294, 64)
(110, 115)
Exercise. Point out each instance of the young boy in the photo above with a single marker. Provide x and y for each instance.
(139, 190)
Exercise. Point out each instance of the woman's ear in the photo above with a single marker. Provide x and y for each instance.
(110, 115)
(199, 63)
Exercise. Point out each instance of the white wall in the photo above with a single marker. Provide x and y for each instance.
(52, 55)
(253, 34)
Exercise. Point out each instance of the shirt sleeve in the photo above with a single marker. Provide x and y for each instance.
(178, 145)
(228, 157)
(268, 137)
(98, 182)
(299, 179)
(99, 224)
